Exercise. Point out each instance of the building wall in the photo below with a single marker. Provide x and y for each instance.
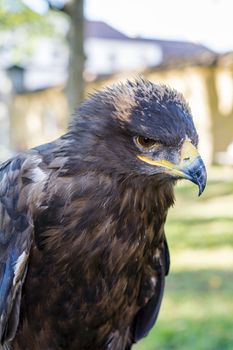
(5, 90)
(37, 118)
(105, 56)
(221, 102)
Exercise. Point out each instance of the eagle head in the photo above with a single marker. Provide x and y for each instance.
(139, 129)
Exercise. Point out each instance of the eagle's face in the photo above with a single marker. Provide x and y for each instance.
(178, 161)
(141, 129)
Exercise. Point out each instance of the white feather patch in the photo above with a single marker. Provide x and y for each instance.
(19, 267)
(153, 281)
(38, 175)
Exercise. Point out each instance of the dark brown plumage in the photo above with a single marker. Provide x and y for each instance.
(83, 250)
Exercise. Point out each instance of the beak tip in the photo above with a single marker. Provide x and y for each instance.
(201, 190)
(201, 182)
(197, 174)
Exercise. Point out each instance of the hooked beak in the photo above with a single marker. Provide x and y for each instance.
(190, 167)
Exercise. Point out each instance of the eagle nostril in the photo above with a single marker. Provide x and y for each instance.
(188, 158)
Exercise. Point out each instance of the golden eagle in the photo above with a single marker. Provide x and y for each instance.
(83, 254)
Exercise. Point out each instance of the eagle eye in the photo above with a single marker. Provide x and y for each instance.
(145, 142)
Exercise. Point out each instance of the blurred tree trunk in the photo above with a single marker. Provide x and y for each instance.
(75, 84)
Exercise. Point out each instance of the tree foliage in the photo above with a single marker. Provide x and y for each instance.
(19, 19)
(16, 15)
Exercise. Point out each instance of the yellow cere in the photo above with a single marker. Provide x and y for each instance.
(171, 168)
(188, 153)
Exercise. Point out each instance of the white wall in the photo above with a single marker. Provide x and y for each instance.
(109, 56)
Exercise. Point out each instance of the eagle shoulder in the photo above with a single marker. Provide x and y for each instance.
(19, 178)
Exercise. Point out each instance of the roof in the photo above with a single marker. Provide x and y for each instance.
(101, 30)
(174, 52)
(183, 52)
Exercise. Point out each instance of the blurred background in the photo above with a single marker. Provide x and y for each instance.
(54, 52)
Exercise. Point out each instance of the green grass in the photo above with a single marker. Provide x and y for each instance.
(197, 310)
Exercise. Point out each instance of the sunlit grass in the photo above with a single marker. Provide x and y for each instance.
(198, 305)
